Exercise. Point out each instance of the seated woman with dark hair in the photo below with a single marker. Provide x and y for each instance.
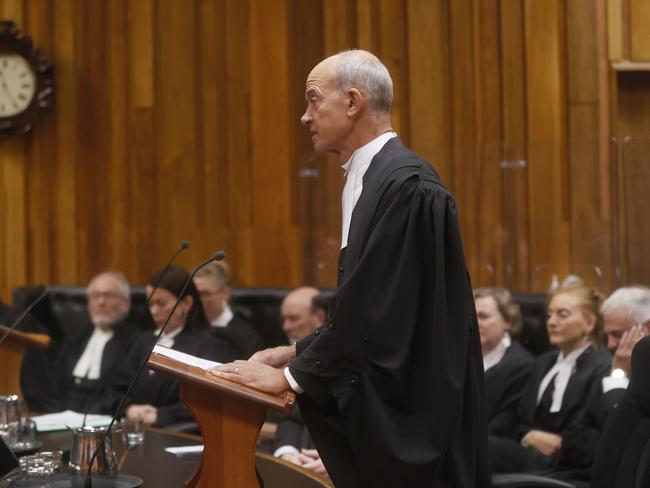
(506, 363)
(559, 384)
(154, 399)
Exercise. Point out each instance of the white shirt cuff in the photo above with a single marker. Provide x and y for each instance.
(293, 383)
(611, 383)
(282, 450)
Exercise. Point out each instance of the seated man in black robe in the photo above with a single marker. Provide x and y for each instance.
(303, 311)
(87, 362)
(212, 282)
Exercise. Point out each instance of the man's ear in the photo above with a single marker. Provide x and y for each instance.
(356, 102)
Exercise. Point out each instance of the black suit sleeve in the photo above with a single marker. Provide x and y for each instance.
(581, 437)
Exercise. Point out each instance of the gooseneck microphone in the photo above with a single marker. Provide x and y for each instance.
(23, 315)
(217, 256)
(100, 384)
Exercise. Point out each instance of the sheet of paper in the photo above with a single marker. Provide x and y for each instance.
(185, 358)
(62, 420)
(182, 450)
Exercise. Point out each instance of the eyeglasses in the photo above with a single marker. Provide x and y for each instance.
(107, 295)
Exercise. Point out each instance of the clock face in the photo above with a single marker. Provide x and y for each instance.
(17, 84)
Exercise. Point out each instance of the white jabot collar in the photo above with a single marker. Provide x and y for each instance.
(355, 168)
(90, 362)
(561, 371)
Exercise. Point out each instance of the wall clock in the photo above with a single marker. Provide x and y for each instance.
(26, 81)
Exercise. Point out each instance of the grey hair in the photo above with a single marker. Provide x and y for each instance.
(122, 283)
(635, 300)
(363, 70)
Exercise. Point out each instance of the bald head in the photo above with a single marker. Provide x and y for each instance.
(299, 319)
(348, 102)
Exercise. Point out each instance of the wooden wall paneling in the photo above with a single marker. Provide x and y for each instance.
(429, 82)
(367, 22)
(141, 61)
(632, 130)
(392, 50)
(238, 112)
(639, 18)
(339, 25)
(589, 244)
(546, 100)
(118, 214)
(615, 30)
(211, 110)
(140, 150)
(606, 82)
(487, 211)
(65, 111)
(309, 196)
(92, 143)
(271, 167)
(40, 163)
(237, 117)
(13, 195)
(514, 174)
(176, 131)
(463, 178)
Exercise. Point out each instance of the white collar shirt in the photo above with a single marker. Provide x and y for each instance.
(561, 371)
(224, 319)
(355, 168)
(90, 362)
(495, 356)
(167, 340)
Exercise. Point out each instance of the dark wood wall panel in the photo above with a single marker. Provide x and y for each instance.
(179, 119)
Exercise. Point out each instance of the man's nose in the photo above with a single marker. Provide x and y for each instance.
(305, 119)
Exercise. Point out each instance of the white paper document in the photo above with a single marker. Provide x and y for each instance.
(62, 420)
(182, 450)
(185, 358)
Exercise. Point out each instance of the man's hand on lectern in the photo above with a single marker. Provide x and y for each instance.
(256, 375)
(277, 357)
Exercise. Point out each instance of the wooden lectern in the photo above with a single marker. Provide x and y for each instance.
(12, 351)
(230, 417)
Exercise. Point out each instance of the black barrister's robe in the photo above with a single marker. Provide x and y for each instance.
(394, 380)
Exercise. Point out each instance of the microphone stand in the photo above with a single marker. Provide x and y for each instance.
(218, 256)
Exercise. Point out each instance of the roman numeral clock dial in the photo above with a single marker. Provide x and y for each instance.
(17, 84)
(26, 81)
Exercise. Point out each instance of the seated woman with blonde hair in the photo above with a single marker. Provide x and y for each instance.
(559, 384)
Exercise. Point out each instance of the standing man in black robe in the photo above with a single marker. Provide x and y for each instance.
(391, 386)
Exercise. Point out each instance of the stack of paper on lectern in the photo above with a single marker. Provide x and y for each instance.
(185, 358)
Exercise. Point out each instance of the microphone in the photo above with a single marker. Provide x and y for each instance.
(23, 315)
(217, 256)
(184, 245)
